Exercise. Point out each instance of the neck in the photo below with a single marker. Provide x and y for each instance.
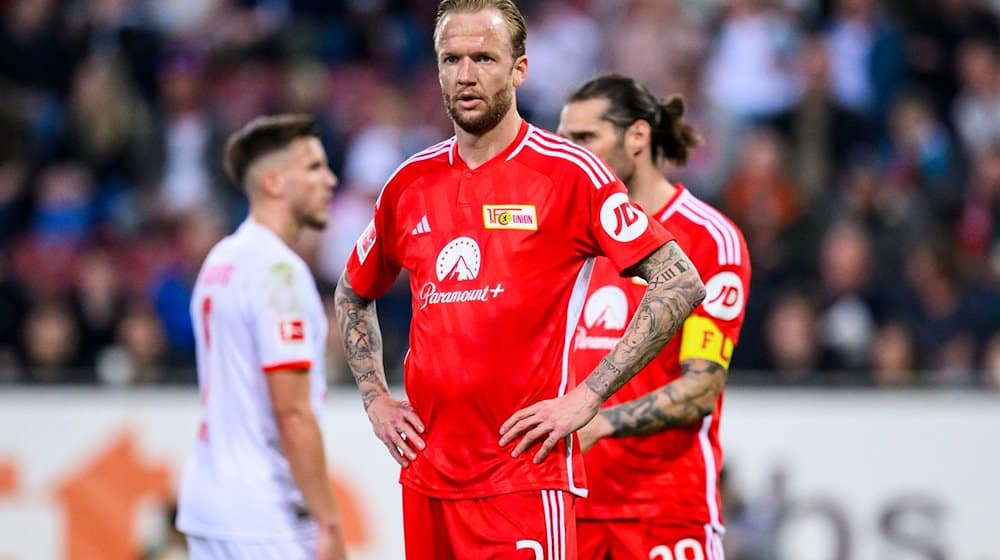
(477, 149)
(281, 223)
(649, 188)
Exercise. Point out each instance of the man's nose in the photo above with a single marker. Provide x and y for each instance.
(466, 71)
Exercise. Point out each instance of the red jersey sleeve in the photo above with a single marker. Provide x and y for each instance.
(618, 228)
(373, 267)
(713, 328)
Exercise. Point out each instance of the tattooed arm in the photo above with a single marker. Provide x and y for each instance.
(678, 403)
(674, 291)
(394, 421)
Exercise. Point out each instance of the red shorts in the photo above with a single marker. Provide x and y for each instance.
(635, 539)
(535, 525)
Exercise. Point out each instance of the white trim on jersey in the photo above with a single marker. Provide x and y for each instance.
(672, 207)
(429, 153)
(553, 141)
(524, 140)
(711, 214)
(573, 311)
(568, 156)
(726, 238)
(709, 458)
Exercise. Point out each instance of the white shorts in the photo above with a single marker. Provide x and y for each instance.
(200, 548)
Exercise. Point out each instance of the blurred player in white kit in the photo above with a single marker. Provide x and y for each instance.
(256, 484)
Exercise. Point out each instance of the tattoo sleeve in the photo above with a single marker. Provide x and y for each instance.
(680, 402)
(362, 339)
(674, 291)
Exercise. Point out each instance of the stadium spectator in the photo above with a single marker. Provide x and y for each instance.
(893, 358)
(846, 318)
(977, 107)
(50, 342)
(820, 132)
(790, 334)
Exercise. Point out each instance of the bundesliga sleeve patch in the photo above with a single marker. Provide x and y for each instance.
(703, 340)
(366, 242)
(724, 296)
(621, 219)
(510, 216)
(292, 330)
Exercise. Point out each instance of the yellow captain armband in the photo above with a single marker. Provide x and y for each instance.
(701, 339)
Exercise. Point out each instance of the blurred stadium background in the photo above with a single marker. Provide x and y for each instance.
(857, 143)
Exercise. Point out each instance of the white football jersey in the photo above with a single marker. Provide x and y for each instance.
(255, 310)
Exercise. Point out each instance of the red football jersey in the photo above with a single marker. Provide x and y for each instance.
(499, 259)
(672, 474)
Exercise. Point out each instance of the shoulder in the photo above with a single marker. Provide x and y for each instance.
(257, 252)
(722, 241)
(430, 160)
(555, 156)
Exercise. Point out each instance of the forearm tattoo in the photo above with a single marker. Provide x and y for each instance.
(684, 400)
(674, 291)
(362, 339)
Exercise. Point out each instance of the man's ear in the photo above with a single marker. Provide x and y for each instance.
(638, 137)
(269, 181)
(520, 70)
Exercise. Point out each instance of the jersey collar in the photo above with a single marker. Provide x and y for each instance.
(456, 160)
(671, 206)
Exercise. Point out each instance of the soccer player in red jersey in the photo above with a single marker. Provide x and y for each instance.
(498, 227)
(654, 479)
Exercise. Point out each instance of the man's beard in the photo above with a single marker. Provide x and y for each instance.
(496, 107)
(310, 221)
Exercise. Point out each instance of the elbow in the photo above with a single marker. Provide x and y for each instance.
(696, 290)
(289, 418)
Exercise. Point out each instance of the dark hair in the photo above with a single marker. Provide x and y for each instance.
(263, 136)
(630, 101)
(507, 8)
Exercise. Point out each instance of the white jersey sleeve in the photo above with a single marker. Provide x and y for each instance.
(284, 332)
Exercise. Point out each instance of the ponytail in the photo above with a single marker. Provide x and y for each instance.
(673, 137)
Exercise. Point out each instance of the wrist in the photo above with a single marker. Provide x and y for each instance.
(603, 427)
(591, 396)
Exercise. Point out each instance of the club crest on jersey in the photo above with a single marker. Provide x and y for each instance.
(458, 261)
(292, 330)
(622, 219)
(510, 216)
(607, 309)
(724, 296)
(366, 242)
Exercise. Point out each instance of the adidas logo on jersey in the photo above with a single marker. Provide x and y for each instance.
(423, 226)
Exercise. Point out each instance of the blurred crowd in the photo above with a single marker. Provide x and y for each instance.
(856, 142)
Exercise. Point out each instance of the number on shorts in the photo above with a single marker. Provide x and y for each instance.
(533, 545)
(681, 550)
